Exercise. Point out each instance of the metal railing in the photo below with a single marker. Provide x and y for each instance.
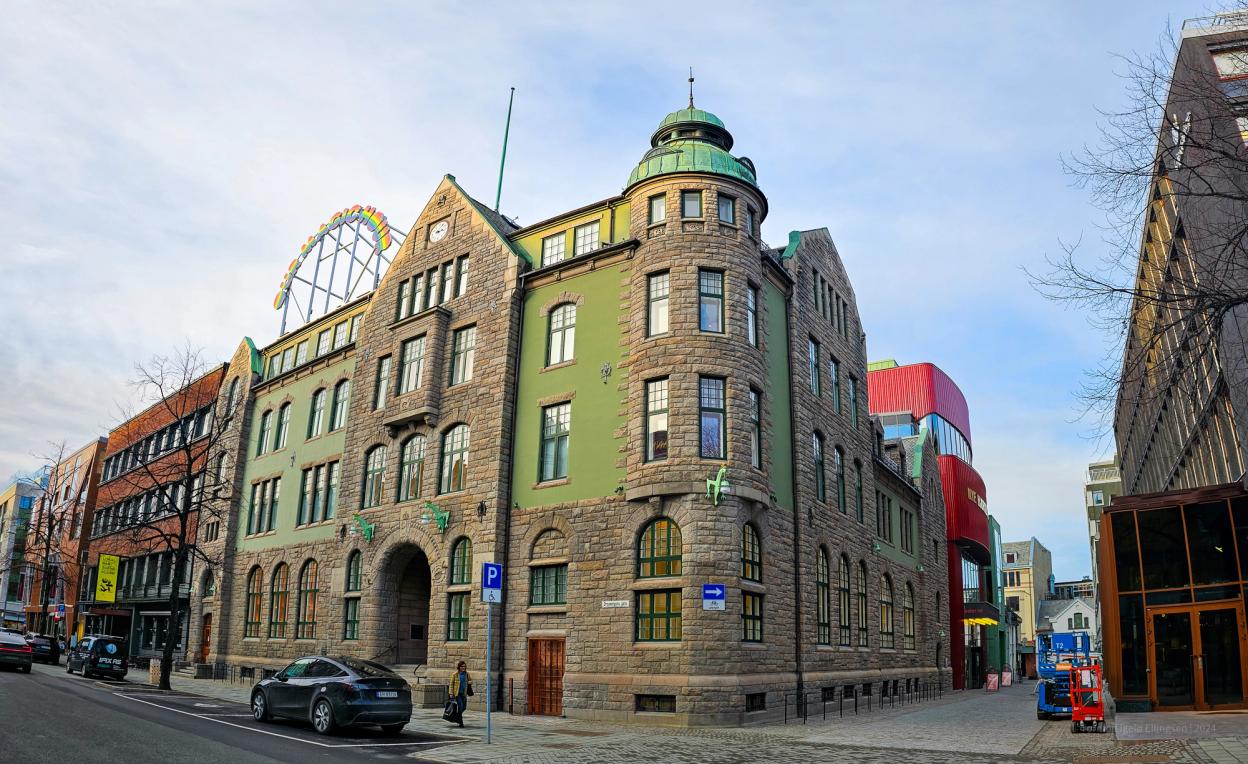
(1229, 19)
(856, 698)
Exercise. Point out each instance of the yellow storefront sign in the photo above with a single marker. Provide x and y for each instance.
(106, 581)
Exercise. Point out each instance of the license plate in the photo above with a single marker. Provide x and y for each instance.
(387, 694)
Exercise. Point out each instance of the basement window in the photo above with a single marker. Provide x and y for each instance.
(756, 701)
(656, 704)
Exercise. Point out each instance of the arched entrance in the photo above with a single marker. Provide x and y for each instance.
(406, 606)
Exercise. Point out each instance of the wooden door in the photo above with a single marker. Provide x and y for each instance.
(546, 677)
(205, 641)
(1197, 656)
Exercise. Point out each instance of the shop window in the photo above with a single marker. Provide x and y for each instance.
(1210, 540)
(1161, 543)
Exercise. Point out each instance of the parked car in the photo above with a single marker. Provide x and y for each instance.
(14, 651)
(334, 692)
(46, 649)
(98, 655)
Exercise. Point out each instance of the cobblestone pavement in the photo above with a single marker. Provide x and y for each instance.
(963, 727)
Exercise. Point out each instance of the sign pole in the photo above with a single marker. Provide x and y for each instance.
(489, 642)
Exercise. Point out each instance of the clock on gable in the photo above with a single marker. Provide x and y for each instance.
(439, 231)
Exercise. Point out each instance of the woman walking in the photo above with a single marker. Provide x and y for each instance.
(461, 688)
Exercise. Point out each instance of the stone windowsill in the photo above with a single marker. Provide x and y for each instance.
(557, 366)
(651, 584)
(551, 483)
(547, 609)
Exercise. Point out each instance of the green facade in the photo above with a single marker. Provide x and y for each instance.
(597, 403)
(779, 421)
(996, 634)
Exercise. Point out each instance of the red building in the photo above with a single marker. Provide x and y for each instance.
(907, 398)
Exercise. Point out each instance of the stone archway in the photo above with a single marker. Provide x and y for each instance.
(405, 604)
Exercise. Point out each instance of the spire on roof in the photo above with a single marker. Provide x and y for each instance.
(691, 87)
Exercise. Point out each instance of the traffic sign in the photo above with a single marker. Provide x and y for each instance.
(491, 582)
(713, 596)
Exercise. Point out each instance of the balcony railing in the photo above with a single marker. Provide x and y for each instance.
(150, 592)
(1222, 22)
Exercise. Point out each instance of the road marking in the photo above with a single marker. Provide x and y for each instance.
(207, 718)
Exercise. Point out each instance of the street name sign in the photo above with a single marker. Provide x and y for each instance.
(491, 582)
(713, 596)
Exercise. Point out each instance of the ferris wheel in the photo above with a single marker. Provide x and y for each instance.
(340, 262)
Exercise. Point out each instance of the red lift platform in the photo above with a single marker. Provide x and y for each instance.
(1087, 699)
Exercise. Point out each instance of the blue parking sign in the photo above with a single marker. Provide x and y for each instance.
(491, 582)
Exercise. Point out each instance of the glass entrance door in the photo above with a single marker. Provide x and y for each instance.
(1173, 662)
(1197, 656)
(1218, 663)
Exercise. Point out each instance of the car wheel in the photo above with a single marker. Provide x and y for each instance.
(69, 668)
(25, 669)
(323, 717)
(86, 672)
(392, 729)
(260, 707)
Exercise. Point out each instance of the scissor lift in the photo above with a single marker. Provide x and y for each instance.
(1056, 655)
(1087, 699)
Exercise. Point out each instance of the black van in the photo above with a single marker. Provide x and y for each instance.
(98, 656)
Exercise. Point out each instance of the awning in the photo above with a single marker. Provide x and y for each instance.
(979, 621)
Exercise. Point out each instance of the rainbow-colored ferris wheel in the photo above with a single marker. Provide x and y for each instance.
(340, 262)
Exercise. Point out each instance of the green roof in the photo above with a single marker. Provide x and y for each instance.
(690, 156)
(691, 115)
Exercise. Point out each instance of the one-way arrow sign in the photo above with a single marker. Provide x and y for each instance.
(713, 596)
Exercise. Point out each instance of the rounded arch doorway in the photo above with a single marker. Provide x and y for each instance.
(407, 581)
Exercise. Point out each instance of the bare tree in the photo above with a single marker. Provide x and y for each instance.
(51, 522)
(1170, 174)
(170, 476)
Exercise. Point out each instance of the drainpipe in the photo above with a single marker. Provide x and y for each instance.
(506, 492)
(797, 555)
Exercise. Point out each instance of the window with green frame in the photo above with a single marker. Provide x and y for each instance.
(279, 595)
(457, 617)
(823, 598)
(548, 585)
(853, 401)
(658, 616)
(751, 554)
(351, 618)
(751, 617)
(840, 480)
(255, 587)
(858, 489)
(556, 432)
(355, 572)
(305, 607)
(821, 493)
(461, 562)
(659, 550)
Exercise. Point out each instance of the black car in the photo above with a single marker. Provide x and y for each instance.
(45, 649)
(14, 651)
(98, 655)
(335, 691)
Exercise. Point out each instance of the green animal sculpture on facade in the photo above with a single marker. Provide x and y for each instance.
(366, 528)
(440, 516)
(715, 489)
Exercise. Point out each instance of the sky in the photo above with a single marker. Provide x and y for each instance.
(162, 162)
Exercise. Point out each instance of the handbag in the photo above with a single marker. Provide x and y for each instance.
(470, 692)
(451, 712)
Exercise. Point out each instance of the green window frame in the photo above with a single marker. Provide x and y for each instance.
(710, 301)
(853, 400)
(834, 381)
(351, 618)
(316, 413)
(355, 571)
(266, 431)
(338, 407)
(457, 617)
(887, 635)
(821, 487)
(658, 293)
(756, 428)
(411, 468)
(823, 598)
(860, 594)
(331, 489)
(712, 417)
(812, 359)
(656, 420)
(255, 587)
(659, 616)
(279, 601)
(463, 353)
(381, 390)
(907, 617)
(556, 434)
(751, 554)
(844, 624)
(751, 617)
(461, 562)
(454, 459)
(548, 585)
(858, 502)
(305, 608)
(307, 487)
(660, 550)
(374, 477)
(403, 301)
(839, 457)
(411, 364)
(751, 314)
(283, 427)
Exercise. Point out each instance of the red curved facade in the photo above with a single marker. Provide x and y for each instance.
(921, 389)
(966, 514)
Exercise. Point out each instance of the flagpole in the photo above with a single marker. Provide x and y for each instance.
(503, 162)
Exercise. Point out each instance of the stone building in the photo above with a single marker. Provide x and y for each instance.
(620, 405)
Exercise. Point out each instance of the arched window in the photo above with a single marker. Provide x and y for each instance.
(842, 601)
(886, 611)
(266, 431)
(338, 407)
(316, 413)
(209, 584)
(821, 492)
(355, 571)
(454, 459)
(305, 608)
(907, 617)
(858, 489)
(860, 594)
(461, 562)
(659, 550)
(231, 397)
(283, 426)
(751, 554)
(411, 467)
(840, 480)
(279, 597)
(374, 476)
(255, 587)
(561, 334)
(823, 598)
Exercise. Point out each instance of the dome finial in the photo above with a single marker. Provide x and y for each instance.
(691, 87)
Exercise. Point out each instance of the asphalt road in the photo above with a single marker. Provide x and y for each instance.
(50, 716)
